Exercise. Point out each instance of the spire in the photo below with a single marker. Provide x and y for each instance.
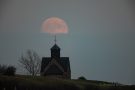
(55, 39)
(55, 46)
(55, 50)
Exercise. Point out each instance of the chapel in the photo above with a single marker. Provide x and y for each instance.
(56, 66)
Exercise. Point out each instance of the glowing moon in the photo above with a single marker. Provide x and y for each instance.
(54, 25)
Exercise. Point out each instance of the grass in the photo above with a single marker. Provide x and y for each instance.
(38, 82)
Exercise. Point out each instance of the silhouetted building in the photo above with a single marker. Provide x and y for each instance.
(56, 66)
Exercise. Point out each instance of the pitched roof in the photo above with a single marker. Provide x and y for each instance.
(64, 62)
(55, 47)
(45, 61)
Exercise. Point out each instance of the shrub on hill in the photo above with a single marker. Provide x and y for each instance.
(81, 78)
(7, 70)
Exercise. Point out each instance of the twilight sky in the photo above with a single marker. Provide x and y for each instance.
(100, 42)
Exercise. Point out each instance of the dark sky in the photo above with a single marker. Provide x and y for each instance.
(100, 42)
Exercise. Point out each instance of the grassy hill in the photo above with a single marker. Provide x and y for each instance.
(41, 83)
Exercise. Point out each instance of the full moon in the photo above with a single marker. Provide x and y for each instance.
(54, 25)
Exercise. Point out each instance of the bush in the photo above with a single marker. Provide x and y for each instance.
(10, 71)
(81, 78)
(7, 70)
(2, 69)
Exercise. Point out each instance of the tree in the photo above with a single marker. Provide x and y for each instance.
(10, 71)
(31, 62)
(2, 69)
(7, 70)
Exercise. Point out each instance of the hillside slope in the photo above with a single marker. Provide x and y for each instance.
(42, 83)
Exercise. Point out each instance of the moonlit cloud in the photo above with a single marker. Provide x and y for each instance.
(54, 25)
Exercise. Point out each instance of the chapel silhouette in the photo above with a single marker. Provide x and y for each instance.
(56, 66)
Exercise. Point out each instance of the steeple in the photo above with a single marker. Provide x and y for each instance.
(55, 39)
(55, 50)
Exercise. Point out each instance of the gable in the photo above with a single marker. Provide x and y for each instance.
(54, 62)
(53, 70)
(63, 65)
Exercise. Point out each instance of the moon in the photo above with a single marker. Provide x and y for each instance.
(54, 25)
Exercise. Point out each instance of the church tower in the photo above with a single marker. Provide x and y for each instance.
(55, 51)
